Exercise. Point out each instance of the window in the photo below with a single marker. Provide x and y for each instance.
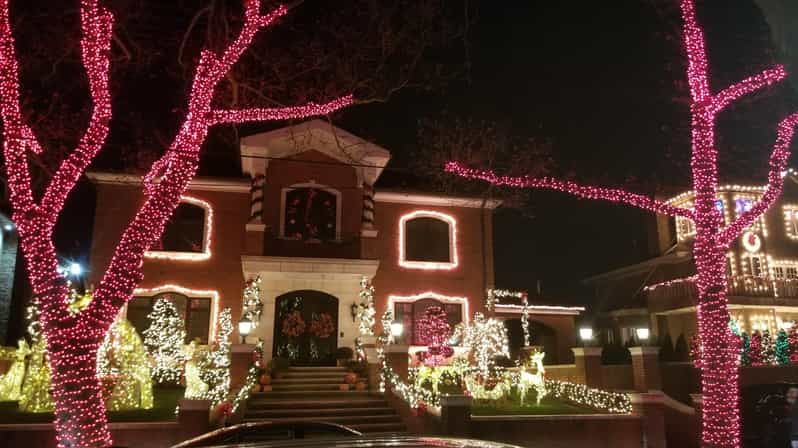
(195, 311)
(187, 234)
(685, 228)
(427, 241)
(791, 221)
(311, 213)
(753, 266)
(786, 272)
(411, 313)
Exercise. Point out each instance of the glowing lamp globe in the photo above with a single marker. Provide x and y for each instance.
(75, 269)
(244, 328)
(586, 334)
(643, 334)
(397, 329)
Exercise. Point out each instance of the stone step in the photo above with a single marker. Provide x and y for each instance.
(379, 427)
(309, 388)
(348, 420)
(318, 412)
(317, 369)
(311, 380)
(286, 404)
(311, 392)
(286, 375)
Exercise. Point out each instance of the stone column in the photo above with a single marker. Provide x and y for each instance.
(588, 366)
(651, 408)
(256, 202)
(398, 359)
(645, 366)
(456, 415)
(193, 417)
(240, 360)
(368, 234)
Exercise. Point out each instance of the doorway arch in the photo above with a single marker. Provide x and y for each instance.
(306, 328)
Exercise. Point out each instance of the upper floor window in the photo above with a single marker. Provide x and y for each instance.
(791, 221)
(753, 265)
(789, 272)
(187, 235)
(685, 228)
(311, 212)
(427, 240)
(195, 312)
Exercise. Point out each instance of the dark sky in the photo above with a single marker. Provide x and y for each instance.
(604, 82)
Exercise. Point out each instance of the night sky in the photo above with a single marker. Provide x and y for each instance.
(604, 82)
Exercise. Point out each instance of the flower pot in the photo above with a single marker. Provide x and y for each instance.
(350, 378)
(360, 386)
(344, 387)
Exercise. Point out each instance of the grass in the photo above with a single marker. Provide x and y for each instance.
(165, 402)
(548, 406)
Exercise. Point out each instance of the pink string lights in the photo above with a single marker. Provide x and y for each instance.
(73, 340)
(720, 382)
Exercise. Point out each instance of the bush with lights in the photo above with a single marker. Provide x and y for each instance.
(164, 339)
(214, 369)
(11, 381)
(123, 368)
(782, 348)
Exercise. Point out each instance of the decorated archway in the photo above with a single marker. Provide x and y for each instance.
(306, 328)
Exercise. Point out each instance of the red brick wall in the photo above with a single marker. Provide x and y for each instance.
(468, 279)
(116, 205)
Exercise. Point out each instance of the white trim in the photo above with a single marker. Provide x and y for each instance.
(463, 301)
(256, 227)
(200, 183)
(338, 205)
(429, 265)
(192, 293)
(540, 309)
(207, 226)
(397, 197)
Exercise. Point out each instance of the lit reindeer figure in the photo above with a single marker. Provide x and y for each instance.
(535, 380)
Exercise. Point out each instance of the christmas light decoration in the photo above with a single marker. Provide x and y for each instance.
(434, 332)
(11, 381)
(36, 385)
(253, 373)
(164, 339)
(212, 294)
(253, 306)
(215, 367)
(431, 265)
(463, 301)
(782, 348)
(486, 339)
(205, 254)
(768, 348)
(612, 402)
(73, 340)
(793, 341)
(533, 380)
(745, 350)
(525, 320)
(195, 387)
(791, 220)
(366, 312)
(122, 363)
(719, 375)
(755, 349)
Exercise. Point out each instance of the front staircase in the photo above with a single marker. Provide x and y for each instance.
(313, 394)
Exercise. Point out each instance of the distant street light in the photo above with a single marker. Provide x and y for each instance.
(75, 269)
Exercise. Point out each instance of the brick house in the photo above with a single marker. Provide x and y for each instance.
(762, 267)
(309, 222)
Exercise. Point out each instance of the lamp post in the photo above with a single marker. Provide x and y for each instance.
(397, 328)
(244, 327)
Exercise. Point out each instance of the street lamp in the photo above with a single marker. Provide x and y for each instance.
(75, 269)
(244, 327)
(642, 335)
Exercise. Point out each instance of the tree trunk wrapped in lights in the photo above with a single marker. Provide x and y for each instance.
(719, 369)
(74, 338)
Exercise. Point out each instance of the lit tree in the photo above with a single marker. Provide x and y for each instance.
(164, 339)
(122, 360)
(365, 311)
(793, 339)
(782, 350)
(755, 349)
(433, 331)
(215, 367)
(73, 339)
(719, 373)
(768, 350)
(253, 306)
(485, 339)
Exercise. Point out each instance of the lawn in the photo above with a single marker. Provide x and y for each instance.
(548, 406)
(165, 402)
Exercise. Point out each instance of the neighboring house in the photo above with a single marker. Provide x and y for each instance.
(8, 266)
(762, 267)
(309, 223)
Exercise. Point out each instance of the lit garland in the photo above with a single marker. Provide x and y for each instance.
(612, 402)
(80, 419)
(719, 376)
(215, 367)
(11, 381)
(253, 306)
(164, 339)
(122, 364)
(255, 371)
(366, 312)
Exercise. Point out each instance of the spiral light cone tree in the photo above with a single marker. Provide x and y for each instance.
(719, 363)
(73, 339)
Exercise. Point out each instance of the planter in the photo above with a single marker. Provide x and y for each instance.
(343, 387)
(360, 386)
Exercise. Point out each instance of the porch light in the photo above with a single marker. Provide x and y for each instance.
(643, 334)
(397, 328)
(586, 334)
(244, 327)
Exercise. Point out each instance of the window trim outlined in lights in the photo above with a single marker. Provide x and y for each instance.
(190, 293)
(206, 240)
(429, 265)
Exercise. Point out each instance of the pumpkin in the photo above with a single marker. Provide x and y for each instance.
(350, 378)
(265, 379)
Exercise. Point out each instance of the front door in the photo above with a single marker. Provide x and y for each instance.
(306, 328)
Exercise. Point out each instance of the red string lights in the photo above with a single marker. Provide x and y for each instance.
(73, 339)
(720, 382)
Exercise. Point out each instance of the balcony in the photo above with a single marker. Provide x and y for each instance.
(744, 290)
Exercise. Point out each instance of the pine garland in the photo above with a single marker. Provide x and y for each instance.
(755, 349)
(768, 349)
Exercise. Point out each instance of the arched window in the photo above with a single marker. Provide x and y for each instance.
(195, 311)
(311, 212)
(409, 310)
(187, 235)
(427, 241)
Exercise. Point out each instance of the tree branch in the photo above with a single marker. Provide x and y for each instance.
(749, 85)
(572, 188)
(696, 54)
(778, 165)
(279, 113)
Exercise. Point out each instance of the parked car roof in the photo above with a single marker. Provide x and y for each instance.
(267, 431)
(394, 441)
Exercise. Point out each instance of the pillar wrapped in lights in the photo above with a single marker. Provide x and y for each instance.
(73, 339)
(719, 374)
